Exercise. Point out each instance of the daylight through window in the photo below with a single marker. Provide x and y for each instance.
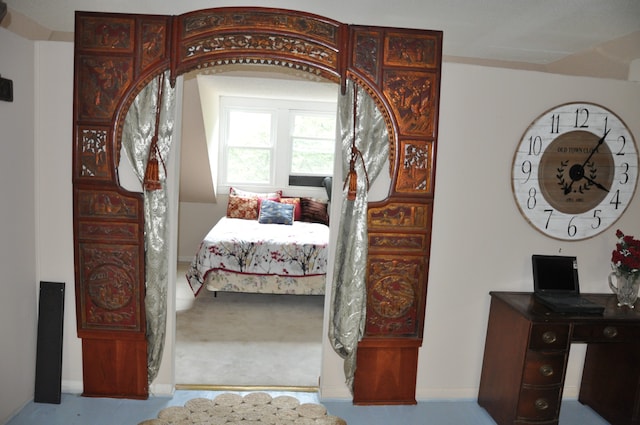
(272, 143)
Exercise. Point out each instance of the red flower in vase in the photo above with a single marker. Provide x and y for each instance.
(626, 256)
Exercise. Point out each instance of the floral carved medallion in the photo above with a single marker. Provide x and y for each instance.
(110, 287)
(392, 297)
(110, 294)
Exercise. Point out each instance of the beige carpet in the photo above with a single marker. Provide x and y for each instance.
(250, 340)
(257, 408)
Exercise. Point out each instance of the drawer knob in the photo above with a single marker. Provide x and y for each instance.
(610, 332)
(549, 337)
(542, 404)
(546, 370)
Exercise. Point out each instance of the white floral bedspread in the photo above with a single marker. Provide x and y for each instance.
(246, 246)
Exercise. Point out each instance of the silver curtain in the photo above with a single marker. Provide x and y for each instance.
(348, 303)
(138, 130)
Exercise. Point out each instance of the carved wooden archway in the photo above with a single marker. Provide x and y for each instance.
(116, 55)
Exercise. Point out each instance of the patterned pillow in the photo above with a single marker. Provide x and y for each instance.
(247, 194)
(297, 208)
(239, 207)
(261, 200)
(314, 211)
(272, 212)
(274, 196)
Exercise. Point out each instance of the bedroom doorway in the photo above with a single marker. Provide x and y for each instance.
(226, 338)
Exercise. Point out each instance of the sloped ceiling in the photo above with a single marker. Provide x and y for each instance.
(544, 35)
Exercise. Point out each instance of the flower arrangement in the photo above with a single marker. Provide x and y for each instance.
(626, 256)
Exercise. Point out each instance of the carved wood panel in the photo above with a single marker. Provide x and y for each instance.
(117, 55)
(399, 245)
(405, 66)
(110, 295)
(265, 36)
(395, 284)
(112, 53)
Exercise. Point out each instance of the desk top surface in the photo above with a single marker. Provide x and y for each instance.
(525, 304)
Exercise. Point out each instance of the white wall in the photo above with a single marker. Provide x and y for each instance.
(480, 241)
(18, 303)
(54, 202)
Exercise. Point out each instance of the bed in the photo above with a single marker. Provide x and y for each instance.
(241, 255)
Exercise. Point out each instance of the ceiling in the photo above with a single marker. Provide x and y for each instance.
(532, 34)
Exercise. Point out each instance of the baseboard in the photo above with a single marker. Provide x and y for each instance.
(161, 390)
(72, 387)
(335, 393)
(431, 394)
(570, 392)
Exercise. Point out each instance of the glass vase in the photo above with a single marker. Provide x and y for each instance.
(625, 286)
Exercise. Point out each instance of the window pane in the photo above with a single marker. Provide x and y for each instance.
(248, 128)
(248, 165)
(320, 126)
(312, 156)
(313, 143)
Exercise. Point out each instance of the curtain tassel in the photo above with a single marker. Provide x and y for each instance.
(352, 177)
(152, 172)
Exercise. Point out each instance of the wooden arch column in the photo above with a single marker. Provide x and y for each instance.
(116, 55)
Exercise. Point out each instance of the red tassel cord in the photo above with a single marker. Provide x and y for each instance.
(352, 175)
(154, 159)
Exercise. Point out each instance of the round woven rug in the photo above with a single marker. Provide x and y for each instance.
(251, 409)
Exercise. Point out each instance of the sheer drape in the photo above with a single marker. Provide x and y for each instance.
(138, 131)
(348, 304)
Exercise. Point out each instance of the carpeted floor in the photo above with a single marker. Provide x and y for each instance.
(251, 409)
(250, 340)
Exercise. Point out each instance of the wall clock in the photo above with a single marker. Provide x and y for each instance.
(575, 171)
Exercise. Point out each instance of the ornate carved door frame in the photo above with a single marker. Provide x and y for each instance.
(116, 55)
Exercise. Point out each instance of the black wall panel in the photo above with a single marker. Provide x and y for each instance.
(49, 346)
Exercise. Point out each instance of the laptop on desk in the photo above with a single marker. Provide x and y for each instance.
(556, 285)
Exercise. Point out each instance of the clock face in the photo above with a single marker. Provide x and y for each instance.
(575, 171)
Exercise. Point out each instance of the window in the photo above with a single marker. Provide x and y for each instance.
(312, 143)
(250, 146)
(275, 143)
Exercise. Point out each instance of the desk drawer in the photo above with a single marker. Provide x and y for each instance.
(546, 336)
(606, 333)
(539, 404)
(543, 368)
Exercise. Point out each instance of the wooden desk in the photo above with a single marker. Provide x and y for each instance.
(525, 359)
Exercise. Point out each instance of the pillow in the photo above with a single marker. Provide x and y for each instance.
(272, 212)
(274, 196)
(314, 211)
(260, 200)
(246, 194)
(239, 207)
(297, 208)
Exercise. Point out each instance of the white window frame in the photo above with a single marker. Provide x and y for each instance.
(282, 111)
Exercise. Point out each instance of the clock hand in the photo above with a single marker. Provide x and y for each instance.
(601, 141)
(580, 173)
(595, 183)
